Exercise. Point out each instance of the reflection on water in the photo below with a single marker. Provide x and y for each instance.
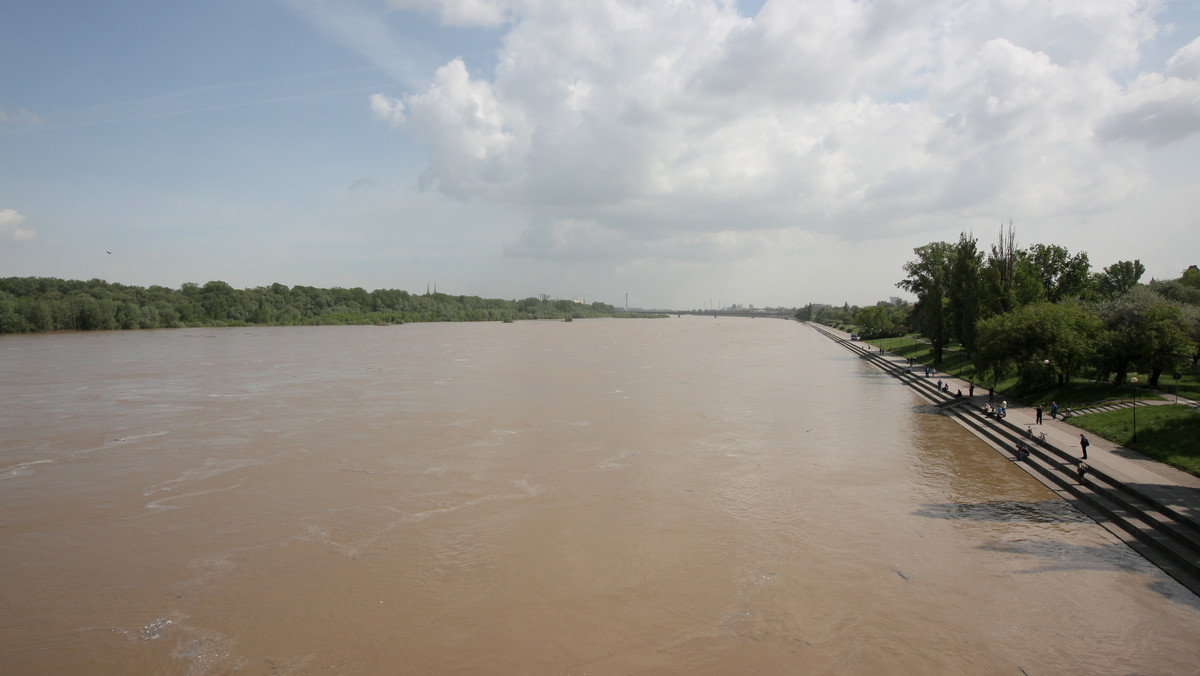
(1057, 555)
(670, 496)
(1045, 511)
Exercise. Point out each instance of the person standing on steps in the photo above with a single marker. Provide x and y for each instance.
(1039, 414)
(1054, 409)
(1083, 443)
(971, 389)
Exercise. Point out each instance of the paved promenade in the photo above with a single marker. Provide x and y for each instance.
(1174, 488)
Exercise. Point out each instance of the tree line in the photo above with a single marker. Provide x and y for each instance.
(33, 304)
(1040, 312)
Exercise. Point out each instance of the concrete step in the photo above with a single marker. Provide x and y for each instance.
(1155, 524)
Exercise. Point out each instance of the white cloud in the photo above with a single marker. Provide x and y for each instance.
(478, 142)
(10, 227)
(387, 109)
(1185, 63)
(1157, 111)
(673, 127)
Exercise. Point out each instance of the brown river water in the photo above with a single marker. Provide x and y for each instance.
(673, 496)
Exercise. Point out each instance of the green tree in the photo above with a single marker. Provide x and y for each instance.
(216, 298)
(11, 321)
(928, 278)
(36, 313)
(875, 321)
(1167, 341)
(1011, 277)
(1062, 275)
(1040, 341)
(1191, 277)
(963, 292)
(1000, 273)
(1147, 332)
(1121, 342)
(1118, 278)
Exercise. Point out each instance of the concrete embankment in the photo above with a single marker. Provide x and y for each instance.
(1153, 508)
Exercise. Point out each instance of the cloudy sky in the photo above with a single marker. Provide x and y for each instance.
(686, 153)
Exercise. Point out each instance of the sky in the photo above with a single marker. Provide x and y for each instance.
(683, 154)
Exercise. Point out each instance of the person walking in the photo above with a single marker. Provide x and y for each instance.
(1083, 443)
(1038, 410)
(1054, 409)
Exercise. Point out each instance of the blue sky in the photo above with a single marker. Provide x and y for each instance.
(684, 153)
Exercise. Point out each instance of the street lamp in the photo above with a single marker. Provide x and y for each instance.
(1134, 409)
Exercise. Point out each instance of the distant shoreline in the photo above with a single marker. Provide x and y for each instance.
(51, 305)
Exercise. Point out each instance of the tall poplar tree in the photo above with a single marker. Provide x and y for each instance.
(963, 293)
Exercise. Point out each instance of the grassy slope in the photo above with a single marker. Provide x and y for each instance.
(1166, 433)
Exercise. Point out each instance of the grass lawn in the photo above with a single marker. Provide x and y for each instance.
(1167, 433)
(1188, 386)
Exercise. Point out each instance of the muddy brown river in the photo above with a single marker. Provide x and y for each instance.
(673, 496)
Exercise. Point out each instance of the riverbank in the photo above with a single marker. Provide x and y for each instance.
(1150, 506)
(1165, 433)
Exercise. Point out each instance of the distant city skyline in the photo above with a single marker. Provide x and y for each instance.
(776, 153)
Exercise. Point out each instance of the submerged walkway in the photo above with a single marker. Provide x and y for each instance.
(1153, 507)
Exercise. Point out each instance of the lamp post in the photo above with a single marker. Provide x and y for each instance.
(1134, 409)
